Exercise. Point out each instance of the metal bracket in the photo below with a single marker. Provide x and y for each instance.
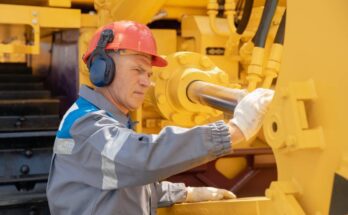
(283, 199)
(286, 125)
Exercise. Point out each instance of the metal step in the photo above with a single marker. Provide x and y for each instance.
(25, 140)
(25, 94)
(29, 123)
(32, 178)
(19, 78)
(15, 68)
(26, 134)
(29, 107)
(22, 86)
(29, 119)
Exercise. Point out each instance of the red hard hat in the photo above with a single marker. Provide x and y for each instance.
(128, 35)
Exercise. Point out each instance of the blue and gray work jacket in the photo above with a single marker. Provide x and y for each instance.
(101, 166)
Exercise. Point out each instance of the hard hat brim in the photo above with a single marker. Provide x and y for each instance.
(159, 61)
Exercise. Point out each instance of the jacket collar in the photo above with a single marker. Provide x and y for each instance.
(102, 103)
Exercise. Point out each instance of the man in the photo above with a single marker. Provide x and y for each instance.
(101, 166)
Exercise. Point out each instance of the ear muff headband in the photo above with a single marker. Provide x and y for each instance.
(101, 66)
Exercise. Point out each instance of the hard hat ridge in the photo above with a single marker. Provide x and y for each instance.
(128, 35)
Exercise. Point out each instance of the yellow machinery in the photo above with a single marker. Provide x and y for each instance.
(305, 127)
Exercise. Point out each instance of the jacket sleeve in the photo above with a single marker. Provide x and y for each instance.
(131, 159)
(169, 193)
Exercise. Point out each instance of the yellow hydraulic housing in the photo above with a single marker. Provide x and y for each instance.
(172, 84)
(306, 123)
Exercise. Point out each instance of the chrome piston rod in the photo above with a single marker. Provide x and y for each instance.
(215, 96)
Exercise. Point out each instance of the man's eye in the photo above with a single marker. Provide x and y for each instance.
(138, 70)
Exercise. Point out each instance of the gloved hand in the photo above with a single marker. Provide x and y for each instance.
(199, 194)
(250, 111)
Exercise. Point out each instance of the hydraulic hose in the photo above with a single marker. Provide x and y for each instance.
(261, 35)
(273, 65)
(241, 26)
(279, 39)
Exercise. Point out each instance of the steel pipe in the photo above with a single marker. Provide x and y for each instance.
(215, 96)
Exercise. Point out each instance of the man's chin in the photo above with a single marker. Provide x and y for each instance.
(134, 107)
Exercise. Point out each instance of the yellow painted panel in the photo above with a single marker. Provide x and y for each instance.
(88, 20)
(82, 2)
(244, 206)
(140, 11)
(42, 16)
(59, 3)
(166, 41)
(185, 3)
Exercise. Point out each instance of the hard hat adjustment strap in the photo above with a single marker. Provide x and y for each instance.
(105, 37)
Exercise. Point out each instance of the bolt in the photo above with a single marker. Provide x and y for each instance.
(164, 75)
(34, 21)
(28, 153)
(25, 169)
(205, 62)
(34, 13)
(161, 99)
(18, 124)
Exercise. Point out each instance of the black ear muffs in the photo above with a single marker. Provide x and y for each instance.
(101, 66)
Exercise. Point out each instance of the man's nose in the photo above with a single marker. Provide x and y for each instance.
(145, 81)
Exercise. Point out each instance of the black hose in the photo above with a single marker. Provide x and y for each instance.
(267, 16)
(281, 31)
(241, 26)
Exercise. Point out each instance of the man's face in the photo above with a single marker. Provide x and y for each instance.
(132, 79)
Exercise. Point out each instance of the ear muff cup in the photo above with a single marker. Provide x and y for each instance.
(101, 66)
(102, 70)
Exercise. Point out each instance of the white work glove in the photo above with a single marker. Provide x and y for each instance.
(199, 194)
(250, 111)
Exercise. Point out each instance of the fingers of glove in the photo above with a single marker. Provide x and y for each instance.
(215, 196)
(218, 194)
(228, 194)
(258, 99)
(198, 194)
(212, 193)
